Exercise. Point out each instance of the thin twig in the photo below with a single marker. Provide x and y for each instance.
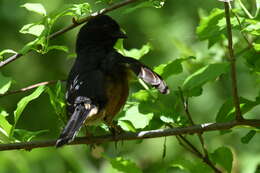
(199, 155)
(179, 137)
(30, 87)
(241, 28)
(233, 65)
(72, 26)
(245, 10)
(135, 136)
(185, 103)
(205, 157)
(185, 106)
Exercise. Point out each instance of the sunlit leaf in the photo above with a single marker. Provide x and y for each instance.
(253, 27)
(134, 53)
(6, 51)
(171, 68)
(126, 125)
(227, 111)
(24, 101)
(205, 74)
(33, 29)
(59, 47)
(208, 28)
(138, 119)
(257, 47)
(166, 119)
(79, 10)
(29, 46)
(191, 166)
(224, 157)
(57, 99)
(124, 165)
(4, 136)
(158, 3)
(4, 124)
(5, 83)
(26, 136)
(35, 7)
(141, 95)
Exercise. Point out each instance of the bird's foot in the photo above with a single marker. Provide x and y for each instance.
(115, 129)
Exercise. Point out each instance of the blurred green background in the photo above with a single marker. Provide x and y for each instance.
(171, 32)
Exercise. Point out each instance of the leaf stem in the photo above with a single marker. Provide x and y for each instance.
(245, 10)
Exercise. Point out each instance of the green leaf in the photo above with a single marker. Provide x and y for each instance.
(6, 51)
(124, 165)
(29, 46)
(253, 27)
(227, 111)
(141, 95)
(247, 138)
(167, 119)
(126, 125)
(257, 46)
(59, 47)
(5, 83)
(224, 157)
(4, 136)
(158, 3)
(26, 136)
(79, 10)
(4, 124)
(253, 60)
(208, 28)
(57, 100)
(35, 7)
(134, 53)
(33, 29)
(257, 7)
(24, 101)
(138, 119)
(171, 68)
(205, 74)
(191, 166)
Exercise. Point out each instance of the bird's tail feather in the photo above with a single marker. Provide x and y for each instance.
(74, 124)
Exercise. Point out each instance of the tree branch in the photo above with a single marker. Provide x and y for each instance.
(30, 87)
(135, 136)
(10, 59)
(233, 64)
(72, 26)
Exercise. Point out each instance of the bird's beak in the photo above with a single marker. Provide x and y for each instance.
(119, 34)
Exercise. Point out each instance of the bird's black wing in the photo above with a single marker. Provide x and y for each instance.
(85, 97)
(145, 73)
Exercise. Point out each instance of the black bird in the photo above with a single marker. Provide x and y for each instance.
(97, 86)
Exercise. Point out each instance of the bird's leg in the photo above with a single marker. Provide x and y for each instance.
(87, 133)
(114, 128)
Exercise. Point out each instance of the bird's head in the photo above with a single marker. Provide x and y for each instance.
(99, 31)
